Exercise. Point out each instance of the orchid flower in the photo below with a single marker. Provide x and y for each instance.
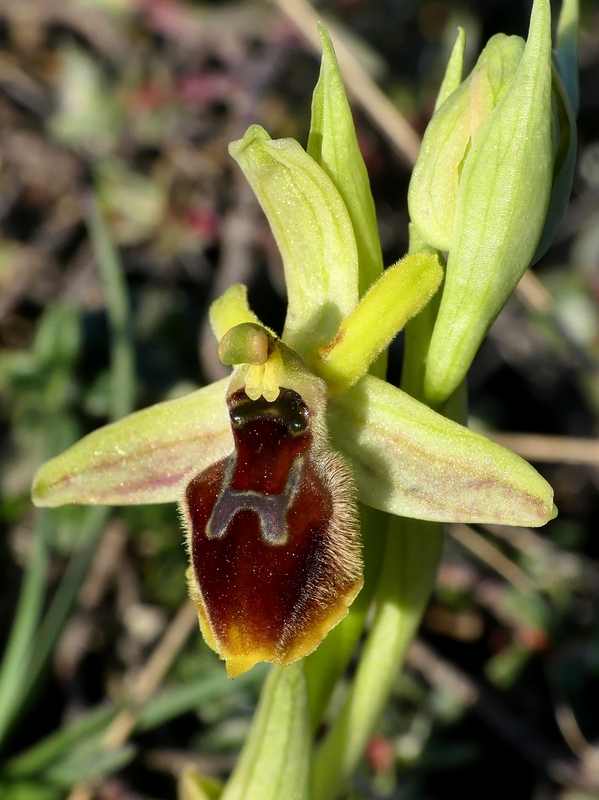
(266, 466)
(273, 467)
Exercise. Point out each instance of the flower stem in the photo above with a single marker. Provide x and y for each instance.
(410, 564)
(275, 760)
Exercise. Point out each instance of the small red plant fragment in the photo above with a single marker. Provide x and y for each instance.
(273, 536)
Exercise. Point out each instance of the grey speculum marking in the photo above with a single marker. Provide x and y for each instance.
(271, 509)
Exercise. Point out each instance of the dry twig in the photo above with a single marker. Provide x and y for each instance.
(552, 449)
(492, 556)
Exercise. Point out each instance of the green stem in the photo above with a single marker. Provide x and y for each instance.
(410, 564)
(23, 630)
(275, 760)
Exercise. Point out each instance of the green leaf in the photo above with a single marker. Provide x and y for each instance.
(122, 356)
(409, 460)
(313, 231)
(49, 750)
(141, 458)
(22, 634)
(502, 203)
(399, 294)
(334, 146)
(29, 791)
(58, 337)
(504, 668)
(88, 765)
(275, 762)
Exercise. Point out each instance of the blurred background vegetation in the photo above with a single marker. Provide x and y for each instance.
(115, 117)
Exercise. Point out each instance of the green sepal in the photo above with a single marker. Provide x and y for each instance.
(410, 461)
(453, 70)
(275, 761)
(141, 458)
(314, 233)
(502, 203)
(333, 144)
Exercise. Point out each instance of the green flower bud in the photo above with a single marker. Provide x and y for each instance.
(490, 187)
(450, 135)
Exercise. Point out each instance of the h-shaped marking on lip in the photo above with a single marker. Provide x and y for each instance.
(271, 509)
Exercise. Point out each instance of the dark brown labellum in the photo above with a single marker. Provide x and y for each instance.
(275, 557)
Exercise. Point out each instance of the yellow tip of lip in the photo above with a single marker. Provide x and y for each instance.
(237, 665)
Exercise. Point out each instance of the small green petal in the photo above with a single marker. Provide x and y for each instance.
(313, 230)
(334, 146)
(141, 458)
(231, 309)
(502, 203)
(409, 460)
(453, 70)
(399, 294)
